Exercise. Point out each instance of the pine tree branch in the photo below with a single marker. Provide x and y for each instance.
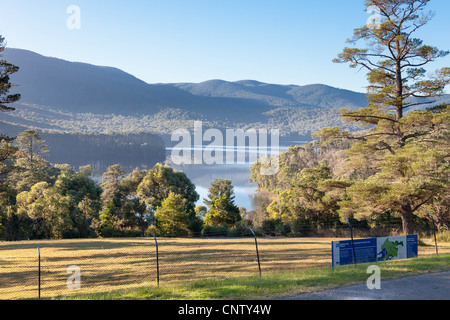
(369, 116)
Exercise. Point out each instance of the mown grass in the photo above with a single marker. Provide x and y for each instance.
(122, 264)
(278, 284)
(189, 268)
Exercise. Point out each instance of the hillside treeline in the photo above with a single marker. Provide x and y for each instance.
(102, 150)
(340, 175)
(99, 150)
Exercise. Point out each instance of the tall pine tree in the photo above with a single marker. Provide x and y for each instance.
(394, 59)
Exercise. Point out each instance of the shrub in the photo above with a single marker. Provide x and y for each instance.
(212, 231)
(443, 236)
(151, 231)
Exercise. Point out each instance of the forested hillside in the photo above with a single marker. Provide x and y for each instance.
(64, 96)
(68, 96)
(142, 150)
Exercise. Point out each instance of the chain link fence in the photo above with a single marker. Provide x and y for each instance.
(84, 266)
(71, 267)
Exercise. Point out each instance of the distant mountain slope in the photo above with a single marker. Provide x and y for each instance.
(305, 97)
(81, 87)
(68, 96)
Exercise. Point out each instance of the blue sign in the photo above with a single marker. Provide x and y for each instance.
(374, 249)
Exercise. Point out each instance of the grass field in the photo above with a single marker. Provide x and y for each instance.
(126, 268)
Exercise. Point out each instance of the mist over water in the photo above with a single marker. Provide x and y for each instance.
(202, 175)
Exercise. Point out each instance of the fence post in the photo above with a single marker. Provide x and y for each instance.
(157, 260)
(353, 244)
(434, 232)
(39, 273)
(257, 252)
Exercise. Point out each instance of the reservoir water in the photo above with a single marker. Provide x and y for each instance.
(202, 175)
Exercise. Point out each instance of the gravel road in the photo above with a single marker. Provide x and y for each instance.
(433, 286)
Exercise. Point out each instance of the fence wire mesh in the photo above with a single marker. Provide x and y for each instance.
(107, 265)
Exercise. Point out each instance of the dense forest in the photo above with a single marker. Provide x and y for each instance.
(99, 150)
(321, 183)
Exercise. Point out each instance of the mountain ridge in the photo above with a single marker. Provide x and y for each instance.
(80, 97)
(39, 74)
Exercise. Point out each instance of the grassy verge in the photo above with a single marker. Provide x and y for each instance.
(277, 284)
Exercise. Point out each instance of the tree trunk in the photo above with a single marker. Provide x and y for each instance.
(142, 223)
(399, 102)
(407, 219)
(399, 83)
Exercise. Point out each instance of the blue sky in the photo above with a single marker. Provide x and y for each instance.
(164, 41)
